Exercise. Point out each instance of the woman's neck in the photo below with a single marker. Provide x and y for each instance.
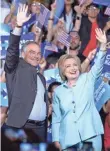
(68, 9)
(72, 82)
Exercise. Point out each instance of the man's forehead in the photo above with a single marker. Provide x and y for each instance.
(93, 6)
(33, 46)
(74, 34)
(34, 3)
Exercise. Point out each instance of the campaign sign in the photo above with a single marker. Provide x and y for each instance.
(4, 42)
(4, 97)
(102, 93)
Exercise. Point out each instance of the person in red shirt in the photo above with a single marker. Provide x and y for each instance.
(92, 12)
(106, 108)
(89, 23)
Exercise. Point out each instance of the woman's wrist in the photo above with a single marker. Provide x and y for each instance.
(103, 46)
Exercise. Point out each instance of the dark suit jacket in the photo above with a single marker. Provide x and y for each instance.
(21, 81)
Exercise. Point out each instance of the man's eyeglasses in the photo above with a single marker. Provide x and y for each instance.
(36, 4)
(92, 8)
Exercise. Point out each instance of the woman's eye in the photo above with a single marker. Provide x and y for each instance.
(67, 66)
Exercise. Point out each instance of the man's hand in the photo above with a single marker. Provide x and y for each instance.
(42, 65)
(88, 2)
(22, 15)
(3, 117)
(78, 9)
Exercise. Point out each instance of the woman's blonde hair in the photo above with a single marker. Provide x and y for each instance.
(61, 64)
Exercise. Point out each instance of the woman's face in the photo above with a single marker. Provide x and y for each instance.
(69, 2)
(71, 69)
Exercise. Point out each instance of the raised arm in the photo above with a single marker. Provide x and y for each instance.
(12, 56)
(77, 25)
(50, 22)
(96, 69)
(87, 61)
(79, 11)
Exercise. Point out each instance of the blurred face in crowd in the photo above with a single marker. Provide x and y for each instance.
(75, 40)
(69, 2)
(93, 11)
(36, 30)
(35, 7)
(50, 94)
(32, 54)
(71, 69)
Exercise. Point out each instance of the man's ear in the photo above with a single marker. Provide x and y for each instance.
(98, 11)
(49, 95)
(23, 54)
(87, 11)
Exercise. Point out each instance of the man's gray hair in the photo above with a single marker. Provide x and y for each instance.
(24, 47)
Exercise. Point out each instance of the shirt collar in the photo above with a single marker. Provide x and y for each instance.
(66, 85)
(70, 13)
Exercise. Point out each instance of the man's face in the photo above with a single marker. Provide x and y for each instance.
(35, 8)
(36, 30)
(93, 11)
(32, 55)
(75, 40)
(69, 1)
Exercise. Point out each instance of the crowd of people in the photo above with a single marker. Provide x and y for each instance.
(62, 112)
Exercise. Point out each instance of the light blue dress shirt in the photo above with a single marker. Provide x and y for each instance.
(75, 117)
(69, 22)
(39, 108)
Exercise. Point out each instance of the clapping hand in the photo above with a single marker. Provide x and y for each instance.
(22, 15)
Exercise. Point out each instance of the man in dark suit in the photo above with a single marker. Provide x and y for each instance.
(26, 87)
